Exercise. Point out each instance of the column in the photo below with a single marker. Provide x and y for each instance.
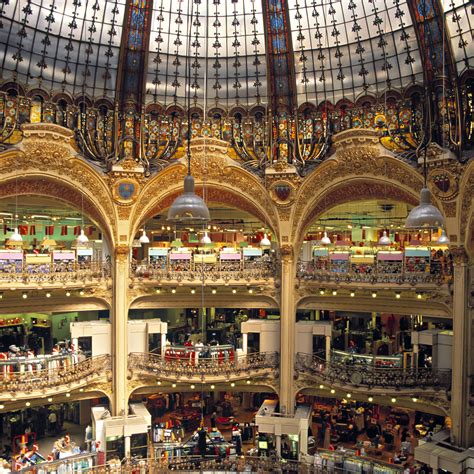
(287, 328)
(462, 327)
(245, 342)
(163, 344)
(119, 318)
(328, 348)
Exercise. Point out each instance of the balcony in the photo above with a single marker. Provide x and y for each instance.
(209, 369)
(371, 274)
(53, 275)
(372, 377)
(240, 271)
(49, 375)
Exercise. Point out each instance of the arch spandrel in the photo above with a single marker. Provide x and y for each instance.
(358, 158)
(225, 182)
(45, 163)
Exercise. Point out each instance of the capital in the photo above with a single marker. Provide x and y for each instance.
(287, 252)
(122, 252)
(459, 255)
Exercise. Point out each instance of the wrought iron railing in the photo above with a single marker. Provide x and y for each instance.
(366, 375)
(245, 271)
(55, 273)
(54, 378)
(309, 271)
(158, 365)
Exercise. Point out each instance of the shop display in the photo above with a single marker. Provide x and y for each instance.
(362, 359)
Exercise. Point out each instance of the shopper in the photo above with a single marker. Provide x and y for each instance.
(214, 420)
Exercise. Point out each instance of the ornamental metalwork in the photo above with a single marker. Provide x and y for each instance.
(370, 376)
(260, 363)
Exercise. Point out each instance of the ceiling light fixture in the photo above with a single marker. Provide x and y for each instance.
(206, 239)
(443, 238)
(325, 240)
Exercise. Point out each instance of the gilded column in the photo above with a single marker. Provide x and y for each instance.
(119, 318)
(287, 328)
(462, 348)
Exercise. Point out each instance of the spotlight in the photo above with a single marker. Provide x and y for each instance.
(48, 295)
(2, 407)
(81, 390)
(394, 400)
(419, 295)
(193, 291)
(24, 295)
(158, 291)
(250, 290)
(398, 295)
(321, 386)
(27, 404)
(173, 385)
(214, 291)
(213, 387)
(234, 291)
(50, 399)
(322, 291)
(374, 294)
(334, 292)
(232, 384)
(1, 295)
(159, 382)
(193, 387)
(333, 391)
(352, 293)
(81, 293)
(173, 290)
(414, 399)
(348, 395)
(370, 399)
(68, 293)
(68, 395)
(248, 382)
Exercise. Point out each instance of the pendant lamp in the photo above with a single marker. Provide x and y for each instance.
(265, 242)
(144, 238)
(385, 239)
(16, 236)
(188, 207)
(425, 215)
(443, 238)
(325, 240)
(206, 239)
(82, 238)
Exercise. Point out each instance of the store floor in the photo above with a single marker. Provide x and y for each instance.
(45, 445)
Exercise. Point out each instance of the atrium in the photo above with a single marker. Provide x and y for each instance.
(237, 236)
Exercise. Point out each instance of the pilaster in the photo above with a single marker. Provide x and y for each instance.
(119, 318)
(462, 348)
(287, 328)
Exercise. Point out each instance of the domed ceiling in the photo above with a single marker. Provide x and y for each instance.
(243, 50)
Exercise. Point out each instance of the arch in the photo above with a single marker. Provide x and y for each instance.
(226, 183)
(466, 209)
(45, 164)
(10, 85)
(360, 169)
(65, 96)
(37, 92)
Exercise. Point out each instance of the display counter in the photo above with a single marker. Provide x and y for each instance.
(348, 461)
(368, 360)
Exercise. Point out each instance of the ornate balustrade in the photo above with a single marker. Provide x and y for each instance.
(213, 368)
(54, 379)
(309, 272)
(55, 273)
(261, 270)
(360, 375)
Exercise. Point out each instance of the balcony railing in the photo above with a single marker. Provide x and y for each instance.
(56, 376)
(55, 273)
(371, 376)
(355, 274)
(192, 271)
(241, 366)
